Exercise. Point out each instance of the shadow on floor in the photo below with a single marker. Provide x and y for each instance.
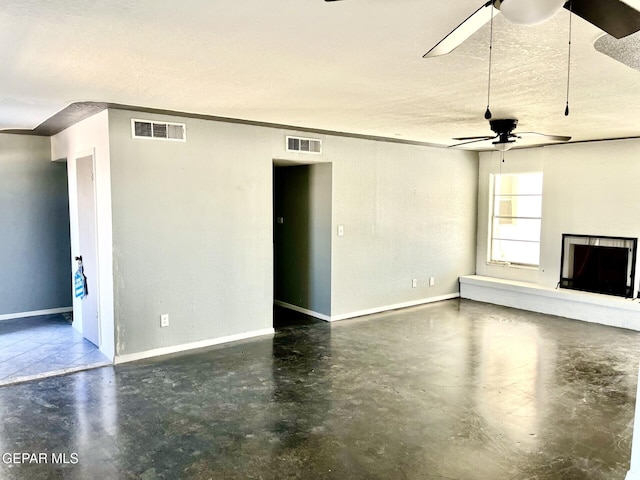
(284, 317)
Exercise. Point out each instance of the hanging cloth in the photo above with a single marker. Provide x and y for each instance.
(80, 282)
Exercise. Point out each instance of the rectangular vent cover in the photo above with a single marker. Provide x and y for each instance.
(158, 130)
(304, 145)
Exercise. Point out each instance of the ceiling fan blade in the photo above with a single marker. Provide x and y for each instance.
(485, 137)
(613, 16)
(557, 138)
(463, 31)
(478, 139)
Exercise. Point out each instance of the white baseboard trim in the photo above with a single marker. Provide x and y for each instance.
(35, 313)
(296, 308)
(413, 303)
(156, 352)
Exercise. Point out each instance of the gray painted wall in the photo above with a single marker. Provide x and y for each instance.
(193, 227)
(35, 251)
(302, 243)
(192, 234)
(408, 212)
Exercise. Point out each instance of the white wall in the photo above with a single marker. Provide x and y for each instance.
(588, 188)
(86, 137)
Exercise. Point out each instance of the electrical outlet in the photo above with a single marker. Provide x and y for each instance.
(414, 283)
(164, 320)
(432, 281)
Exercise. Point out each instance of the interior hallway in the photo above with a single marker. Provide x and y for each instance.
(455, 390)
(42, 346)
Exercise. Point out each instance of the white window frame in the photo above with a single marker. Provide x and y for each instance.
(492, 216)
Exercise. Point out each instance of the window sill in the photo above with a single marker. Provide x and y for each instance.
(513, 265)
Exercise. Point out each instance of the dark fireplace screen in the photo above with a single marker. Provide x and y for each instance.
(599, 264)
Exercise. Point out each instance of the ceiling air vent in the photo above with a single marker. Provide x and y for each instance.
(158, 130)
(304, 145)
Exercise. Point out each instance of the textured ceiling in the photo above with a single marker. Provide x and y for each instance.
(353, 66)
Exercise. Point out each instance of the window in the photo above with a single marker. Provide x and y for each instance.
(516, 219)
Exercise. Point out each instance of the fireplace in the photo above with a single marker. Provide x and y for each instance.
(599, 264)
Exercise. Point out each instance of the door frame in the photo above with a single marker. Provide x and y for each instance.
(77, 306)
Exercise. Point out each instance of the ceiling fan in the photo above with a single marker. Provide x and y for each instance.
(505, 138)
(613, 16)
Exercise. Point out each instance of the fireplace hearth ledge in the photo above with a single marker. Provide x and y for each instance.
(588, 307)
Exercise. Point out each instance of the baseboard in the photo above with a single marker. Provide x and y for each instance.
(296, 308)
(396, 306)
(35, 313)
(156, 352)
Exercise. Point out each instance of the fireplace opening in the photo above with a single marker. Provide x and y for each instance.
(599, 264)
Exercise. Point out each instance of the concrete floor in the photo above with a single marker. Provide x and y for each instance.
(453, 390)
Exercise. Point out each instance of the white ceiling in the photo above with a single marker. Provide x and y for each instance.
(354, 66)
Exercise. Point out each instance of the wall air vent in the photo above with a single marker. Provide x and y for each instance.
(176, 132)
(304, 145)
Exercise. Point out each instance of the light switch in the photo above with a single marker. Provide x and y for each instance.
(340, 230)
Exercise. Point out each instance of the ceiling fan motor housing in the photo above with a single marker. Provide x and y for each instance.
(503, 126)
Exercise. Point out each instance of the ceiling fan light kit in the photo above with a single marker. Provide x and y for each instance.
(504, 146)
(528, 12)
(613, 16)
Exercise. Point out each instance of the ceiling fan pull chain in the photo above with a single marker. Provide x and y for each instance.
(566, 109)
(487, 114)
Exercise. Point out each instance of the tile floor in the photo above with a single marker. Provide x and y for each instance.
(42, 346)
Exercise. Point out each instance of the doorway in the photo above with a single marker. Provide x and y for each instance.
(302, 210)
(49, 342)
(87, 248)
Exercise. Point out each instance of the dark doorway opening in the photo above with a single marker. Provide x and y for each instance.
(302, 202)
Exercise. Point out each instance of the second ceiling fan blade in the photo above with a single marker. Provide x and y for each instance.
(477, 139)
(613, 16)
(557, 138)
(484, 137)
(463, 31)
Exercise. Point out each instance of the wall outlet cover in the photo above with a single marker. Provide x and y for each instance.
(164, 320)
